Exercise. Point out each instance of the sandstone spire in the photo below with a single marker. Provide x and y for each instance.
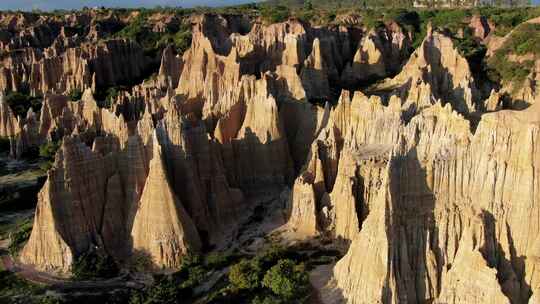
(162, 228)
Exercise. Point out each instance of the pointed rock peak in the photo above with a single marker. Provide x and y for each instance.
(315, 60)
(168, 239)
(345, 97)
(156, 147)
(88, 96)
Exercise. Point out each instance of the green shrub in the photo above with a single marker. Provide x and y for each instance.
(20, 102)
(47, 151)
(217, 260)
(19, 237)
(469, 47)
(267, 299)
(275, 14)
(50, 300)
(91, 265)
(12, 287)
(141, 261)
(287, 280)
(75, 95)
(165, 291)
(245, 275)
(524, 40)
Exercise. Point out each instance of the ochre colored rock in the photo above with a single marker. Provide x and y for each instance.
(162, 229)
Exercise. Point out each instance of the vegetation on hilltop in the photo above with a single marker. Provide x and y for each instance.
(139, 30)
(515, 60)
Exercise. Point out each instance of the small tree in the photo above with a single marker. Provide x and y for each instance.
(75, 95)
(244, 275)
(287, 280)
(91, 265)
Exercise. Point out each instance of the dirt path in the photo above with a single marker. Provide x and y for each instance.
(60, 284)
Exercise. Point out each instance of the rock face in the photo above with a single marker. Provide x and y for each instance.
(436, 68)
(103, 64)
(8, 122)
(162, 228)
(438, 215)
(434, 202)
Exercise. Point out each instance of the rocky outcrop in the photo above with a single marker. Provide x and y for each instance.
(419, 194)
(368, 62)
(46, 248)
(446, 215)
(88, 66)
(437, 64)
(9, 125)
(162, 229)
(71, 206)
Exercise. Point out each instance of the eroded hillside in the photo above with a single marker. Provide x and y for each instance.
(420, 167)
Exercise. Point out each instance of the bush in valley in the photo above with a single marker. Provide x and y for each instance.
(164, 291)
(93, 264)
(75, 95)
(271, 276)
(19, 236)
(48, 149)
(245, 275)
(47, 152)
(20, 102)
(218, 260)
(287, 280)
(12, 287)
(174, 288)
(141, 261)
(470, 48)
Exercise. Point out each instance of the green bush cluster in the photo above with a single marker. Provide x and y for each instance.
(165, 291)
(12, 287)
(75, 95)
(274, 276)
(47, 152)
(287, 280)
(178, 287)
(19, 236)
(21, 102)
(93, 264)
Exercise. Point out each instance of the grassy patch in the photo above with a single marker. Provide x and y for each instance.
(524, 41)
(20, 235)
(12, 287)
(93, 265)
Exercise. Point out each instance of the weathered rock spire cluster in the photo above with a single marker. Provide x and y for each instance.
(434, 210)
